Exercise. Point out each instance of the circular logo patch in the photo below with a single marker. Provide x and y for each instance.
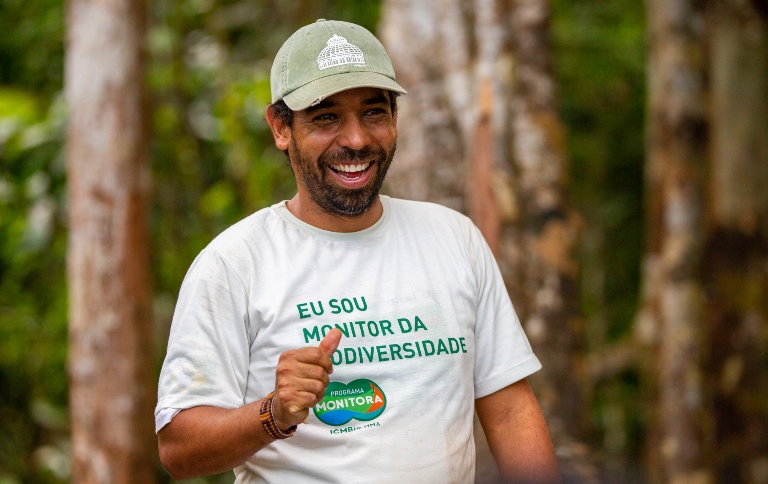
(360, 400)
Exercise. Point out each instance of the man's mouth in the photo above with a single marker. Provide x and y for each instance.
(350, 171)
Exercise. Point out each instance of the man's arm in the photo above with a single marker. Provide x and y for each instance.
(517, 435)
(206, 440)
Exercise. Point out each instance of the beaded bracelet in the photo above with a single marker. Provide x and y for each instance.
(268, 420)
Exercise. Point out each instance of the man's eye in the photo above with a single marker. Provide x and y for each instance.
(325, 117)
(376, 113)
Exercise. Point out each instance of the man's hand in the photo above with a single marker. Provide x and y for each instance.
(205, 440)
(301, 380)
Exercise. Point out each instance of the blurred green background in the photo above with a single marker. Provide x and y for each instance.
(213, 162)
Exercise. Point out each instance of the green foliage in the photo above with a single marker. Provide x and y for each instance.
(31, 45)
(32, 240)
(33, 393)
(599, 48)
(32, 290)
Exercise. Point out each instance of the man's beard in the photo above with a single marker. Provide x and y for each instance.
(329, 195)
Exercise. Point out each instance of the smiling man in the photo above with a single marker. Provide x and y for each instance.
(344, 336)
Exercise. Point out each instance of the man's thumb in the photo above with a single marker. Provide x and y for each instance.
(331, 341)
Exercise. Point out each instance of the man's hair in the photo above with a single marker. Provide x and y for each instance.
(283, 113)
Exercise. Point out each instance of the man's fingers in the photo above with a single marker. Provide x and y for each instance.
(310, 355)
(312, 372)
(310, 385)
(297, 401)
(331, 341)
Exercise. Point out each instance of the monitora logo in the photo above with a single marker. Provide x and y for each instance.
(361, 400)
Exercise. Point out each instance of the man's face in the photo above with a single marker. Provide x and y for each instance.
(341, 149)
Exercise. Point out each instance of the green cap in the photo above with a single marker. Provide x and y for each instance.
(327, 57)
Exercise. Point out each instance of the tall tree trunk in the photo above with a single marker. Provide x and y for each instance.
(676, 147)
(483, 137)
(549, 227)
(736, 254)
(110, 357)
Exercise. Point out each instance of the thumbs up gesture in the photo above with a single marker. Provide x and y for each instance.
(301, 379)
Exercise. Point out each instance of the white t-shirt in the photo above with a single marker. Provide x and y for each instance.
(428, 328)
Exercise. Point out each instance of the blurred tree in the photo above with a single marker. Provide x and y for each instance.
(736, 251)
(549, 225)
(676, 154)
(110, 365)
(483, 103)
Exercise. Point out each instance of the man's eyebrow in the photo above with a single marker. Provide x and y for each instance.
(377, 99)
(324, 104)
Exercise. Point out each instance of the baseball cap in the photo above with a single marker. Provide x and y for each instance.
(327, 57)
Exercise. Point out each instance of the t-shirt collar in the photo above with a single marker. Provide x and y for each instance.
(282, 210)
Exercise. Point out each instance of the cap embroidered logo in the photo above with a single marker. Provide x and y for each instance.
(339, 52)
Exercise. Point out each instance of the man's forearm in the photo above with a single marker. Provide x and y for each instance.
(517, 435)
(207, 440)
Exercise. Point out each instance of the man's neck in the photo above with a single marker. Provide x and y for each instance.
(309, 212)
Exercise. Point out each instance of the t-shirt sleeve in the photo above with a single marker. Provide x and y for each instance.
(502, 353)
(208, 348)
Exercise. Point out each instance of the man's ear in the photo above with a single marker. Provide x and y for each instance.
(280, 131)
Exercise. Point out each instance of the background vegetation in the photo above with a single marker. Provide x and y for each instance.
(213, 163)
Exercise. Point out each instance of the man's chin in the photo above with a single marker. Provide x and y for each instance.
(349, 206)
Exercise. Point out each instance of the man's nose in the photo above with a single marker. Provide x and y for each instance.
(354, 135)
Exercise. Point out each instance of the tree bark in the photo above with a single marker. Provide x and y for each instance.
(736, 253)
(549, 226)
(110, 336)
(479, 132)
(676, 150)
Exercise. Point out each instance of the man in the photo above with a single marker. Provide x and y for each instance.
(344, 336)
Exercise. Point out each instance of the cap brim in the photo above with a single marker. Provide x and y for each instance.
(319, 89)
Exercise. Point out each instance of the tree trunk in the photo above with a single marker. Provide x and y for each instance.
(418, 35)
(736, 253)
(676, 148)
(549, 227)
(110, 356)
(484, 137)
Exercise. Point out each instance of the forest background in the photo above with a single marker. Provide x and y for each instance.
(213, 162)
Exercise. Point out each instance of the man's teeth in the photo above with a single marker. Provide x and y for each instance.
(351, 168)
